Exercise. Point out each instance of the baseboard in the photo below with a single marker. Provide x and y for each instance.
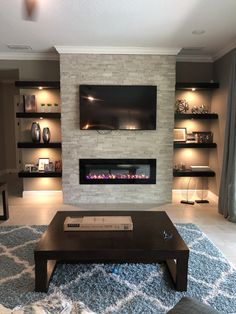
(41, 193)
(194, 195)
(213, 196)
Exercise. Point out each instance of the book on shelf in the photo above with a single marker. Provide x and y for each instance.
(98, 223)
(200, 168)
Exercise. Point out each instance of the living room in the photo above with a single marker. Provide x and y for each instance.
(132, 169)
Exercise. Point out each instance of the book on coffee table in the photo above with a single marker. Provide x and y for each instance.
(98, 223)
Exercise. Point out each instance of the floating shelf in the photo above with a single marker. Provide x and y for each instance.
(190, 173)
(194, 145)
(37, 84)
(200, 116)
(197, 85)
(38, 145)
(24, 174)
(48, 115)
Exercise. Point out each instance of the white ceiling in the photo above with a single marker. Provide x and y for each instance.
(122, 26)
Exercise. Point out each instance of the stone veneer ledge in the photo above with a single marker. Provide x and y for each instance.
(117, 70)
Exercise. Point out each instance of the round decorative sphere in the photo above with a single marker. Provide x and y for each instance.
(181, 106)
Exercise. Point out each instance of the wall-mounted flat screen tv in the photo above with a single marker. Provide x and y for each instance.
(115, 107)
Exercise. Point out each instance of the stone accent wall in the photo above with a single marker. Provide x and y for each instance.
(79, 69)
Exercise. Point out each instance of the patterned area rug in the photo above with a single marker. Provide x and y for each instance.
(125, 288)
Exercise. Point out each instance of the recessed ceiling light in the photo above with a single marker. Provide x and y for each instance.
(198, 32)
(19, 47)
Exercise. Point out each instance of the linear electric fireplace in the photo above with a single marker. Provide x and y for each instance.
(117, 171)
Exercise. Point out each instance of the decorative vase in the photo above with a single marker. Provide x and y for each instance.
(35, 132)
(46, 135)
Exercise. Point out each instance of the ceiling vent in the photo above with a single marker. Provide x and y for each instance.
(19, 47)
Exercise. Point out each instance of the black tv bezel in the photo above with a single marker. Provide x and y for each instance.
(110, 85)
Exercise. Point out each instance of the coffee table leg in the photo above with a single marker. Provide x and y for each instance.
(43, 272)
(41, 275)
(181, 274)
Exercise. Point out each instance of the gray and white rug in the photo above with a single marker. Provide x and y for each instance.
(124, 288)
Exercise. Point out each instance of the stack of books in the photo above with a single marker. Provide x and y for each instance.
(98, 223)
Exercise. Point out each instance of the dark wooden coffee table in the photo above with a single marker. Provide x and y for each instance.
(145, 244)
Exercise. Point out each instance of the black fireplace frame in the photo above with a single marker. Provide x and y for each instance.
(151, 162)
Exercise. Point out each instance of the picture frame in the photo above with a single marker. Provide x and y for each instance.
(28, 167)
(34, 168)
(46, 167)
(58, 166)
(30, 103)
(180, 134)
(203, 137)
(51, 167)
(42, 162)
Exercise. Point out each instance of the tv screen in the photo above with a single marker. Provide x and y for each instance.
(114, 107)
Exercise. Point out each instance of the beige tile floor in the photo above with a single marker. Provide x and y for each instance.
(40, 210)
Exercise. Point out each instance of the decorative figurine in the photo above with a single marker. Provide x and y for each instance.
(203, 109)
(195, 110)
(181, 106)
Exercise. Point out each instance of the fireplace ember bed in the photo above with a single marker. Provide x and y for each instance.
(117, 171)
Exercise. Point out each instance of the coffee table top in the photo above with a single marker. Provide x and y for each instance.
(147, 235)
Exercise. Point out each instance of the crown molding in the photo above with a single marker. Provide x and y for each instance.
(28, 56)
(117, 50)
(194, 58)
(224, 50)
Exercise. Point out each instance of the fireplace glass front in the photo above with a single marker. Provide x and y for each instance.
(117, 171)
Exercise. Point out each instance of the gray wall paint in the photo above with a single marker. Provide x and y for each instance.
(11, 70)
(33, 70)
(7, 120)
(76, 144)
(219, 105)
(2, 133)
(194, 72)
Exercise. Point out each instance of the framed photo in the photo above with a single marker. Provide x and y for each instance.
(58, 166)
(46, 167)
(30, 103)
(42, 163)
(191, 138)
(51, 167)
(180, 135)
(203, 137)
(34, 168)
(28, 167)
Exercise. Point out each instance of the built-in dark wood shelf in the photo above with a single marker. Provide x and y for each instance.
(194, 145)
(24, 174)
(38, 145)
(37, 84)
(46, 115)
(200, 116)
(197, 85)
(191, 173)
